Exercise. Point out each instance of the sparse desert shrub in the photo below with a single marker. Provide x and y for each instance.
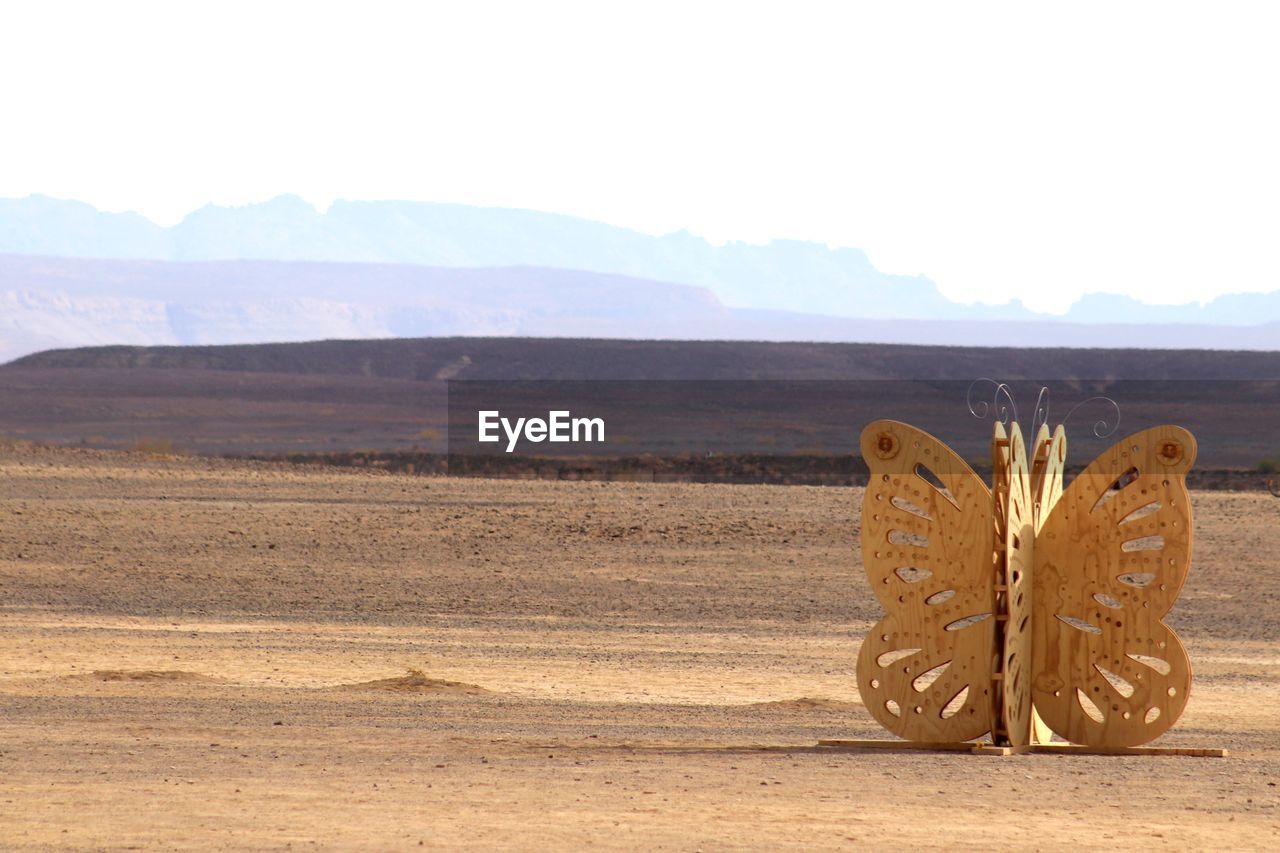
(155, 446)
(1269, 466)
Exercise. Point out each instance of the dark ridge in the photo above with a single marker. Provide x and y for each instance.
(738, 468)
(589, 358)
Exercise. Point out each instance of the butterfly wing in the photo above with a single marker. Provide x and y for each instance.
(1014, 508)
(1110, 559)
(924, 671)
(1048, 460)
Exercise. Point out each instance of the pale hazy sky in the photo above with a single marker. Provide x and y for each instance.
(1005, 150)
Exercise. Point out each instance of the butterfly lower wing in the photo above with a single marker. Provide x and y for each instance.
(1110, 559)
(924, 671)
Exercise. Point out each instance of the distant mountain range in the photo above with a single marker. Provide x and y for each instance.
(783, 275)
(71, 275)
(66, 302)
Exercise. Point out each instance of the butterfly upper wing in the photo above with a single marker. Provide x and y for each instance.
(1050, 458)
(927, 553)
(1110, 559)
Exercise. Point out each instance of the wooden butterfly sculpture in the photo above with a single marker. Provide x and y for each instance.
(1022, 609)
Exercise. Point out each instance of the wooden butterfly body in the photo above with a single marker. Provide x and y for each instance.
(1022, 608)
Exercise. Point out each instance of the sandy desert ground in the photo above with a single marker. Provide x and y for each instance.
(199, 653)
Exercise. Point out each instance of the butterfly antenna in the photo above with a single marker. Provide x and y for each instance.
(1006, 412)
(1041, 414)
(1101, 428)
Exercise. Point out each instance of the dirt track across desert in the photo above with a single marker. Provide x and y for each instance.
(199, 653)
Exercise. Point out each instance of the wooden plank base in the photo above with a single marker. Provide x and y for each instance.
(992, 749)
(1078, 749)
(907, 745)
(1046, 748)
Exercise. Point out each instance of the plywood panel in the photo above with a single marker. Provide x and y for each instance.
(1014, 547)
(1048, 462)
(1110, 560)
(924, 672)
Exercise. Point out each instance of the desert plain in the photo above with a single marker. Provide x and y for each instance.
(202, 653)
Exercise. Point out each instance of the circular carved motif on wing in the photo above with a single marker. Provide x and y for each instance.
(1171, 452)
(887, 445)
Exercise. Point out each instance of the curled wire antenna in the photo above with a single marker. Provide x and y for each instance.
(1003, 408)
(1101, 427)
(1006, 412)
(1041, 415)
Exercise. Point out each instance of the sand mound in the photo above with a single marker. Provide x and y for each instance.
(416, 681)
(808, 703)
(147, 675)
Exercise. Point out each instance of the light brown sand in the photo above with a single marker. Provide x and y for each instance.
(204, 654)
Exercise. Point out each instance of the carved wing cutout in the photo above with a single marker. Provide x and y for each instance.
(1110, 559)
(924, 671)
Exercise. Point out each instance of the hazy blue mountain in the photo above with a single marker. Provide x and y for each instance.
(48, 303)
(38, 225)
(1244, 309)
(784, 275)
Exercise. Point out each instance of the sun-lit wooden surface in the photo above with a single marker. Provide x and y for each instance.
(924, 671)
(1076, 584)
(1014, 545)
(1110, 561)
